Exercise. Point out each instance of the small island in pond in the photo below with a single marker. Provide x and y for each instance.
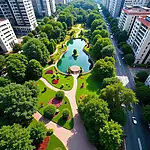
(75, 53)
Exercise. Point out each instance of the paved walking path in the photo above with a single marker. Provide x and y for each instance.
(75, 139)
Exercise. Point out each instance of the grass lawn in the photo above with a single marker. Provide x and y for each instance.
(63, 79)
(90, 86)
(55, 143)
(46, 97)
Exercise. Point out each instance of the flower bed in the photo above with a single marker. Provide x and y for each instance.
(56, 102)
(49, 72)
(55, 81)
(44, 144)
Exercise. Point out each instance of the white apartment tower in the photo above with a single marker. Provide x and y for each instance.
(7, 36)
(147, 82)
(20, 14)
(129, 15)
(106, 3)
(139, 39)
(115, 7)
(61, 1)
(44, 7)
(136, 2)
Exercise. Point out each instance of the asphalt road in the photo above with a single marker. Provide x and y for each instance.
(138, 136)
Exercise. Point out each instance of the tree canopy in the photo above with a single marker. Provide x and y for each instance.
(14, 138)
(35, 49)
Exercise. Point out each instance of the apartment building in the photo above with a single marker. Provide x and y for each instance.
(147, 82)
(115, 7)
(129, 15)
(20, 14)
(136, 2)
(44, 7)
(139, 39)
(7, 36)
(61, 1)
(106, 3)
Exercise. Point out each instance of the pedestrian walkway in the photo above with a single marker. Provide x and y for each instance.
(75, 139)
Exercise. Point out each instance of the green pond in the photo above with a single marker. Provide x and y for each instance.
(69, 60)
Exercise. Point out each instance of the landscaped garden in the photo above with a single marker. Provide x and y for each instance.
(60, 81)
(48, 97)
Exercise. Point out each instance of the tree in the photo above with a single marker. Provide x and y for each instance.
(17, 47)
(32, 86)
(60, 95)
(16, 70)
(96, 23)
(122, 36)
(65, 113)
(99, 45)
(34, 32)
(37, 29)
(14, 138)
(141, 76)
(118, 115)
(69, 21)
(126, 48)
(62, 18)
(37, 132)
(117, 96)
(30, 34)
(110, 81)
(94, 112)
(34, 70)
(129, 59)
(110, 136)
(91, 18)
(96, 32)
(103, 69)
(143, 95)
(43, 35)
(50, 111)
(35, 49)
(146, 113)
(2, 62)
(26, 39)
(4, 81)
(46, 19)
(104, 33)
(108, 51)
(51, 47)
(17, 103)
(64, 25)
(98, 36)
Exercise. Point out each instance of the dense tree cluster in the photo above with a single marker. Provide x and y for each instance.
(19, 69)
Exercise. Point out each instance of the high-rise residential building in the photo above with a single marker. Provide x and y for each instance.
(20, 14)
(139, 39)
(106, 3)
(7, 36)
(115, 7)
(129, 15)
(44, 7)
(136, 2)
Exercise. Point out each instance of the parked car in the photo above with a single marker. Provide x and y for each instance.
(111, 36)
(134, 120)
(149, 126)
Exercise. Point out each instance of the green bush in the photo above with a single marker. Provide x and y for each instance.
(50, 132)
(65, 113)
(60, 95)
(50, 111)
(141, 76)
(129, 59)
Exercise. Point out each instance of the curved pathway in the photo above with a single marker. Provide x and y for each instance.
(75, 139)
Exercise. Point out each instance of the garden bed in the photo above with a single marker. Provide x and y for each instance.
(46, 97)
(64, 82)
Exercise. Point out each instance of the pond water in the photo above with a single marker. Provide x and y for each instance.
(69, 60)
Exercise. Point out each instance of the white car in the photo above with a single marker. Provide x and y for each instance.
(111, 36)
(134, 120)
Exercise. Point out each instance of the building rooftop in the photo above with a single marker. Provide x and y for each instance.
(145, 20)
(136, 10)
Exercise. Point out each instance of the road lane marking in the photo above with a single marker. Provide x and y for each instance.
(140, 145)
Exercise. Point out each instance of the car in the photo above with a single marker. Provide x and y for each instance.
(111, 36)
(134, 120)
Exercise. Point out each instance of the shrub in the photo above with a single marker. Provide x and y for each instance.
(65, 113)
(60, 95)
(49, 111)
(50, 132)
(141, 76)
(129, 59)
